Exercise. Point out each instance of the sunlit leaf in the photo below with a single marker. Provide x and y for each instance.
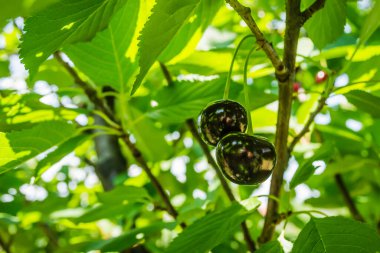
(365, 101)
(306, 169)
(336, 235)
(216, 227)
(65, 22)
(271, 247)
(19, 146)
(371, 23)
(167, 18)
(62, 150)
(104, 59)
(327, 24)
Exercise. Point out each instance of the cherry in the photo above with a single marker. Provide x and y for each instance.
(245, 159)
(221, 118)
(321, 76)
(296, 87)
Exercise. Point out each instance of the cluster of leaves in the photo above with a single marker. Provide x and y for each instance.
(54, 142)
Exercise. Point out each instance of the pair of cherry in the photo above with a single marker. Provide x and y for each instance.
(243, 158)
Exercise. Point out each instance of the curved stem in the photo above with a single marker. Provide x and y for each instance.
(228, 83)
(309, 212)
(269, 197)
(246, 92)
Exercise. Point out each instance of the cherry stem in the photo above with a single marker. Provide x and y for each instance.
(228, 83)
(246, 92)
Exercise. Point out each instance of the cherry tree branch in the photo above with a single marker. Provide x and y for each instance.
(308, 13)
(347, 198)
(292, 30)
(321, 103)
(100, 103)
(5, 246)
(245, 13)
(91, 92)
(193, 129)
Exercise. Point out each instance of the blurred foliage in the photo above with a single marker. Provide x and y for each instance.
(51, 190)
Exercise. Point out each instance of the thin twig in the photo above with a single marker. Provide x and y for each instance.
(91, 92)
(321, 103)
(100, 103)
(51, 234)
(347, 198)
(141, 161)
(193, 129)
(166, 73)
(5, 246)
(308, 13)
(245, 13)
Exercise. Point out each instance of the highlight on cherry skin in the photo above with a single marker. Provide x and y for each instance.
(246, 159)
(321, 76)
(220, 118)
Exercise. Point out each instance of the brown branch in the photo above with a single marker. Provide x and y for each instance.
(50, 234)
(347, 198)
(193, 129)
(308, 13)
(100, 103)
(91, 92)
(245, 13)
(306, 127)
(166, 73)
(5, 246)
(141, 161)
(292, 30)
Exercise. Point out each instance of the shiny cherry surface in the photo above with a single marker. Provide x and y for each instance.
(221, 118)
(321, 76)
(246, 159)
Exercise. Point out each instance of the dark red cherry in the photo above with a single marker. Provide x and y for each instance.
(221, 118)
(321, 76)
(296, 87)
(246, 159)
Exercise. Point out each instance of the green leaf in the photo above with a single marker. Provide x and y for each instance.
(371, 23)
(8, 219)
(215, 226)
(130, 238)
(336, 235)
(62, 150)
(122, 194)
(340, 132)
(365, 102)
(350, 163)
(53, 72)
(184, 100)
(204, 62)
(19, 146)
(149, 138)
(326, 25)
(190, 33)
(4, 68)
(105, 212)
(23, 8)
(104, 59)
(167, 18)
(271, 247)
(306, 169)
(65, 22)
